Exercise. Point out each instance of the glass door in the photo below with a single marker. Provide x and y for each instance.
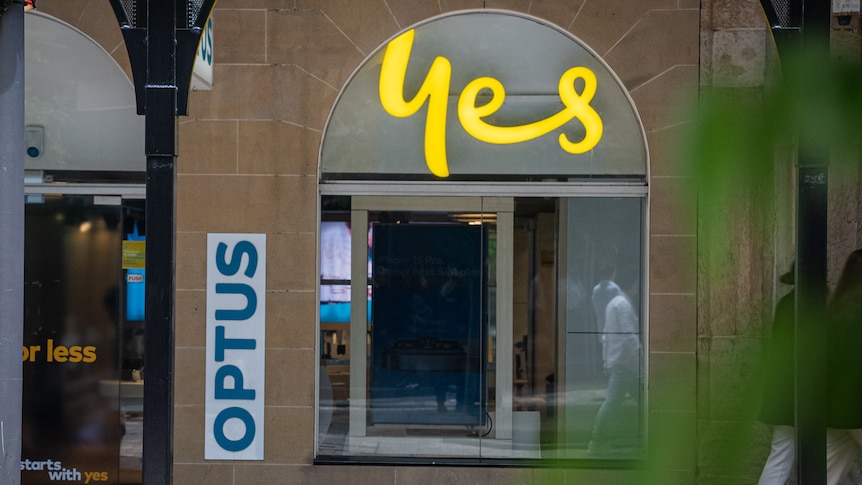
(82, 404)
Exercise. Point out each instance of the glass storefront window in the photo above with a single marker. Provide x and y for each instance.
(481, 327)
(83, 338)
(534, 214)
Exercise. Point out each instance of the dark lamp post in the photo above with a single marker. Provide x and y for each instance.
(804, 25)
(161, 38)
(140, 19)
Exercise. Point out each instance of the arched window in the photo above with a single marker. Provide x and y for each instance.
(79, 106)
(483, 191)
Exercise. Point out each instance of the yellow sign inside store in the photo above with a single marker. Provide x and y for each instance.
(58, 353)
(134, 254)
(435, 89)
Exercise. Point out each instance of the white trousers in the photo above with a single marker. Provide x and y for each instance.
(842, 448)
(782, 454)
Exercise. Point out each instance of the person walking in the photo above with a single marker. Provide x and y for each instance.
(844, 375)
(843, 436)
(777, 404)
(621, 353)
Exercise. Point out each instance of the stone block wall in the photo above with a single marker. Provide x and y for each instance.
(248, 163)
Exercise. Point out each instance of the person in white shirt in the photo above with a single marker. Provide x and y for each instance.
(621, 353)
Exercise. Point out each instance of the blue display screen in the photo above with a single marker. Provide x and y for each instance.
(428, 325)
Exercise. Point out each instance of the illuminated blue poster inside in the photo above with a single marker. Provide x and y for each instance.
(427, 325)
(136, 279)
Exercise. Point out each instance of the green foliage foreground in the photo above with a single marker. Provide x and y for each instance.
(816, 104)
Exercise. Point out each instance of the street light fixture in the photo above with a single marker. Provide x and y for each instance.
(135, 18)
(161, 38)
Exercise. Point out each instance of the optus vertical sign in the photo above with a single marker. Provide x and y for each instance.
(236, 329)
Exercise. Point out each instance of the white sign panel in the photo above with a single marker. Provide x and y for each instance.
(845, 6)
(236, 330)
(202, 72)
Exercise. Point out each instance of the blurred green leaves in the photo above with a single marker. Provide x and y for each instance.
(742, 144)
(815, 106)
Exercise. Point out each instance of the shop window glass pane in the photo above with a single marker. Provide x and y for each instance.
(433, 357)
(335, 271)
(79, 103)
(535, 352)
(427, 336)
(82, 388)
(604, 326)
(428, 324)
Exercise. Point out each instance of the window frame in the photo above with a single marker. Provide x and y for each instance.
(449, 196)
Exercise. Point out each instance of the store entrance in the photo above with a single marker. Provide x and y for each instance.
(83, 354)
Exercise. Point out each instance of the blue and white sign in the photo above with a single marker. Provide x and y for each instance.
(202, 72)
(236, 330)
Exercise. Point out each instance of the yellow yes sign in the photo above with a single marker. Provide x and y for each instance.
(435, 90)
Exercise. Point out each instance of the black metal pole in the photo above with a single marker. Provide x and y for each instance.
(811, 321)
(161, 37)
(160, 145)
(811, 292)
(11, 240)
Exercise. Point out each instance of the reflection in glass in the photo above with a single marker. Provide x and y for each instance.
(572, 269)
(427, 332)
(427, 336)
(82, 409)
(604, 350)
